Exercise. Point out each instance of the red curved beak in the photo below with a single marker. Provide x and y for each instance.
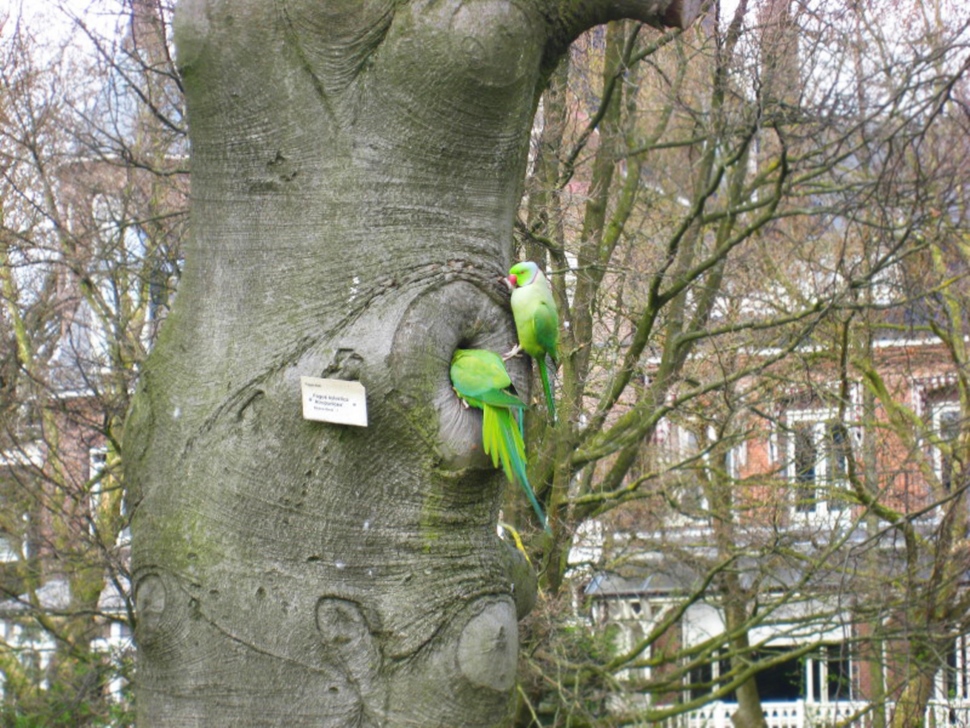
(511, 281)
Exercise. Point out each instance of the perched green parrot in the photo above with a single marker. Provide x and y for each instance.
(480, 379)
(536, 321)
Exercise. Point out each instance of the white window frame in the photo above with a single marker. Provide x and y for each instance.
(14, 547)
(820, 420)
(633, 616)
(97, 462)
(116, 643)
(716, 660)
(8, 554)
(955, 669)
(689, 507)
(681, 445)
(938, 411)
(821, 662)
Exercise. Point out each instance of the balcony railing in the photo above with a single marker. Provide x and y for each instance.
(802, 714)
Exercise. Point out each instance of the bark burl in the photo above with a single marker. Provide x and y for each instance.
(356, 165)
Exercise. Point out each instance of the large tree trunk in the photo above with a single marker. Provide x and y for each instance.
(356, 168)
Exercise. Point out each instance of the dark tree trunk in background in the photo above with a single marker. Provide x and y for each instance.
(356, 168)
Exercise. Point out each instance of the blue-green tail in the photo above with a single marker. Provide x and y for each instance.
(519, 466)
(511, 453)
(547, 388)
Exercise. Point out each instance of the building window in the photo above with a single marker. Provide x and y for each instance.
(685, 458)
(8, 553)
(817, 457)
(97, 461)
(953, 682)
(630, 619)
(14, 543)
(822, 677)
(705, 678)
(698, 459)
(784, 681)
(829, 673)
(946, 422)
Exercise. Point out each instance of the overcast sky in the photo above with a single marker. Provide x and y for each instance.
(50, 19)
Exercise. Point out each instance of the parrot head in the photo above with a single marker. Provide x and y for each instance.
(522, 274)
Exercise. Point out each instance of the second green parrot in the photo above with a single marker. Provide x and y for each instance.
(536, 321)
(481, 380)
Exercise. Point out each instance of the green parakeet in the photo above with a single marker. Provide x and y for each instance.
(536, 321)
(480, 379)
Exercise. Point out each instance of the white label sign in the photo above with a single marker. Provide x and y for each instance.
(334, 400)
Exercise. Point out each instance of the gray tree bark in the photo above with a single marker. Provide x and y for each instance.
(356, 166)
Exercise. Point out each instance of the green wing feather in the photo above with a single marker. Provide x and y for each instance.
(537, 323)
(546, 327)
(478, 373)
(539, 336)
(480, 378)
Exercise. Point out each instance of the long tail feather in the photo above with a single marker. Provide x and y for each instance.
(503, 441)
(494, 440)
(517, 449)
(527, 489)
(547, 388)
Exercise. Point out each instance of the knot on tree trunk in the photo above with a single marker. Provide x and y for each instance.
(458, 315)
(354, 656)
(489, 644)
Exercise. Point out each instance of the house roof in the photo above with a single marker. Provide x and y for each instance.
(659, 573)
